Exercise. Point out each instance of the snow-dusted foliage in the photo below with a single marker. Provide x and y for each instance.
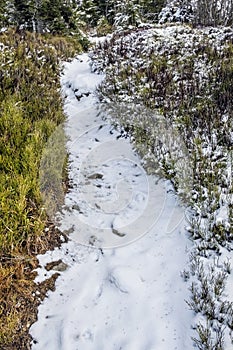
(177, 11)
(180, 79)
(198, 12)
(127, 14)
(213, 12)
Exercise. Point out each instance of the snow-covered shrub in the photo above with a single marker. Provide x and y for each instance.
(184, 77)
(198, 12)
(177, 11)
(207, 340)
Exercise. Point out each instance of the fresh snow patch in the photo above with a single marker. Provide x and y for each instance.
(131, 295)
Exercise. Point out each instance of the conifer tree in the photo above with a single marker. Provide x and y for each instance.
(90, 12)
(24, 13)
(127, 13)
(39, 15)
(151, 9)
(3, 13)
(213, 12)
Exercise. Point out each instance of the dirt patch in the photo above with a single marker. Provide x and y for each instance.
(20, 296)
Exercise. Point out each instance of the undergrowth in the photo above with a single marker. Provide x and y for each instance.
(30, 110)
(171, 90)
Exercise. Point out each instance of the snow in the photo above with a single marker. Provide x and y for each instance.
(123, 288)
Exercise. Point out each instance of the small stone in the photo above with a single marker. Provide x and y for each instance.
(95, 176)
(60, 267)
(76, 207)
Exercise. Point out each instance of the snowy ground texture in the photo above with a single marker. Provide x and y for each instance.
(122, 288)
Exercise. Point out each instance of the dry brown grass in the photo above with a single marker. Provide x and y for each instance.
(30, 109)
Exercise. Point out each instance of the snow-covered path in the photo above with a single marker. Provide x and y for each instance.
(122, 288)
